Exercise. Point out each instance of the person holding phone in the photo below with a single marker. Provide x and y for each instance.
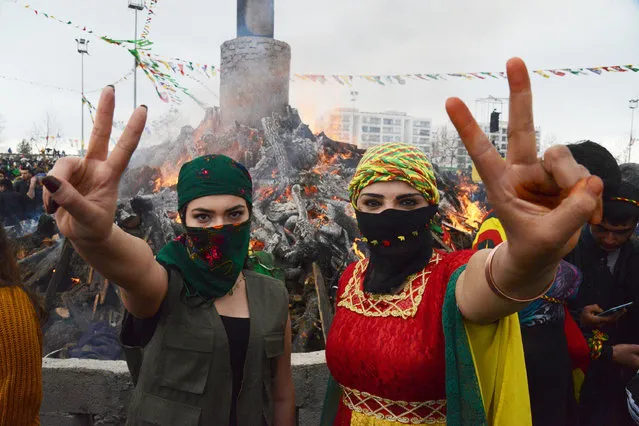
(608, 256)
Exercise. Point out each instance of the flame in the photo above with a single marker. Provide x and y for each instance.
(332, 128)
(286, 196)
(472, 213)
(75, 281)
(169, 172)
(327, 163)
(310, 190)
(174, 216)
(256, 245)
(265, 192)
(356, 249)
(318, 216)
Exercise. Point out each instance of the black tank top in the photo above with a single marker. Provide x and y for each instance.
(237, 332)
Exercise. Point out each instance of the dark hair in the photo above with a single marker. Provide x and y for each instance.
(10, 275)
(599, 162)
(620, 212)
(27, 168)
(6, 183)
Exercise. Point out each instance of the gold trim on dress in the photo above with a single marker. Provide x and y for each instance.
(395, 411)
(403, 305)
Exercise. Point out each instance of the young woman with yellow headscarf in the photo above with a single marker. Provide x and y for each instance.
(424, 337)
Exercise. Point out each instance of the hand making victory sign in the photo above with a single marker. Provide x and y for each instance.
(86, 189)
(83, 193)
(542, 203)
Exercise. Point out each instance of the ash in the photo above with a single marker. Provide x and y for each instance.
(301, 215)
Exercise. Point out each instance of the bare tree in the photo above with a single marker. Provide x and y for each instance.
(445, 147)
(548, 141)
(45, 133)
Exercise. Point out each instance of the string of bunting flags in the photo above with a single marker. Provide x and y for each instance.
(402, 79)
(62, 21)
(63, 89)
(149, 18)
(162, 71)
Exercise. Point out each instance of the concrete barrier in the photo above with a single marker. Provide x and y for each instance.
(80, 392)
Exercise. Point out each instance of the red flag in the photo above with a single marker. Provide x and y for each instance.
(181, 67)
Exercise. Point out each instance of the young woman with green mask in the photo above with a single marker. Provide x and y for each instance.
(216, 338)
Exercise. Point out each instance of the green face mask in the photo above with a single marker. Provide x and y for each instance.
(210, 259)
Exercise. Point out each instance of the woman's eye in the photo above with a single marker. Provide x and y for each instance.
(202, 218)
(408, 202)
(235, 215)
(372, 203)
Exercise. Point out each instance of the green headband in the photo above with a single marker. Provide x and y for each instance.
(213, 175)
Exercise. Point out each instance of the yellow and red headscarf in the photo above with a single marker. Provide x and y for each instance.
(395, 162)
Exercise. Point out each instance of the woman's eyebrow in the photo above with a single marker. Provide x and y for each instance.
(403, 196)
(370, 194)
(238, 207)
(201, 209)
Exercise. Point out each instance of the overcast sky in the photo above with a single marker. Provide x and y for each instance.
(338, 37)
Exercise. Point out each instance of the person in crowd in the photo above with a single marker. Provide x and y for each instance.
(423, 337)
(546, 324)
(216, 337)
(21, 316)
(608, 256)
(25, 185)
(14, 207)
(37, 202)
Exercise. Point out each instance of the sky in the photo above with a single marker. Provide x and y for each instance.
(335, 37)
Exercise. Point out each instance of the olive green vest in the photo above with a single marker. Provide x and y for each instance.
(185, 377)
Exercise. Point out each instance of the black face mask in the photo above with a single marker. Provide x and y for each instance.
(400, 245)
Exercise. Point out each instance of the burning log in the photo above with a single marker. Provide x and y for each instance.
(324, 302)
(301, 214)
(59, 274)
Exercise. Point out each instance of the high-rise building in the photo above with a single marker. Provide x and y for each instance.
(451, 152)
(366, 129)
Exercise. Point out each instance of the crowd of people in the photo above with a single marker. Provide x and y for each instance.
(21, 185)
(537, 325)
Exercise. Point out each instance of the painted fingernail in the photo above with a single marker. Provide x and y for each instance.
(111, 86)
(51, 183)
(145, 107)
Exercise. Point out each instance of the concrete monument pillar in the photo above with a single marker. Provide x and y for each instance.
(255, 68)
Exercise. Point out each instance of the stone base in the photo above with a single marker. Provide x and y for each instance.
(81, 392)
(254, 81)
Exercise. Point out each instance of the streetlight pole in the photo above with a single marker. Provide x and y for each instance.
(632, 104)
(354, 95)
(83, 48)
(136, 5)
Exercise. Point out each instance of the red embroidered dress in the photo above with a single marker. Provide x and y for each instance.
(387, 351)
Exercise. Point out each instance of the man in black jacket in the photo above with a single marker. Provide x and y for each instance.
(608, 256)
(14, 206)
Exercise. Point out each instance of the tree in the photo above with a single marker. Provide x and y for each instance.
(445, 144)
(549, 140)
(45, 134)
(24, 147)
